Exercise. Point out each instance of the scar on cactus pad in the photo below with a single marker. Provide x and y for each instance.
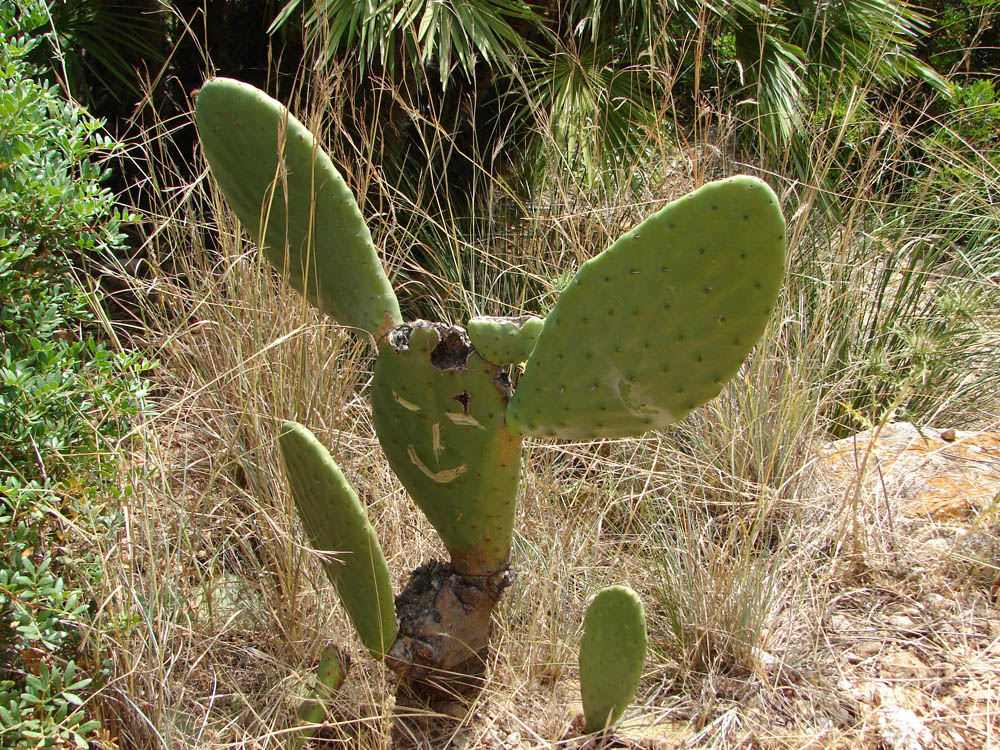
(645, 332)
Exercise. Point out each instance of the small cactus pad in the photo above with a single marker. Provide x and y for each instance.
(611, 655)
(656, 324)
(504, 341)
(313, 230)
(438, 409)
(336, 523)
(329, 677)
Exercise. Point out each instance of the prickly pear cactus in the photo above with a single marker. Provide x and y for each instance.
(286, 192)
(337, 523)
(504, 341)
(656, 324)
(611, 655)
(438, 409)
(646, 331)
(330, 675)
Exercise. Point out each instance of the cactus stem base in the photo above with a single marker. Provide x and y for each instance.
(444, 624)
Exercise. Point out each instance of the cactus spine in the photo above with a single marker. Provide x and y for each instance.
(645, 332)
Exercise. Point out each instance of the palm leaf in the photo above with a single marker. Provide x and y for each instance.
(449, 36)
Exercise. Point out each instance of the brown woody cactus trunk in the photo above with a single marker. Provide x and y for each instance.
(444, 623)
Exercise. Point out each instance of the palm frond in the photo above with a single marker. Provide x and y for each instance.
(102, 42)
(774, 69)
(597, 111)
(879, 36)
(403, 37)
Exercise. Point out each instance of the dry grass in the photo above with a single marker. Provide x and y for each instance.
(766, 630)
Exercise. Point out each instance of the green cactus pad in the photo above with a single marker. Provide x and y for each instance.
(504, 341)
(336, 522)
(329, 677)
(611, 655)
(313, 230)
(656, 324)
(438, 409)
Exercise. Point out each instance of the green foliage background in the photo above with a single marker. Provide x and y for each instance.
(65, 397)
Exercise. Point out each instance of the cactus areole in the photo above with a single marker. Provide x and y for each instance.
(646, 331)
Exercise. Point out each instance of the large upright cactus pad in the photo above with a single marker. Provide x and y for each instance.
(297, 208)
(611, 655)
(438, 409)
(337, 523)
(657, 323)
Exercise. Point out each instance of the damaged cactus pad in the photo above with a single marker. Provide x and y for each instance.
(438, 409)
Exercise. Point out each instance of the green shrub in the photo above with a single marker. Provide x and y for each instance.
(39, 697)
(64, 396)
(54, 210)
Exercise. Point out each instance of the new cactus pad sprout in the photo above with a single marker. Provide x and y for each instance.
(611, 655)
(645, 332)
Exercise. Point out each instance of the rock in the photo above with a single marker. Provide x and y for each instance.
(868, 649)
(902, 622)
(921, 472)
(901, 664)
(902, 729)
(936, 603)
(839, 624)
